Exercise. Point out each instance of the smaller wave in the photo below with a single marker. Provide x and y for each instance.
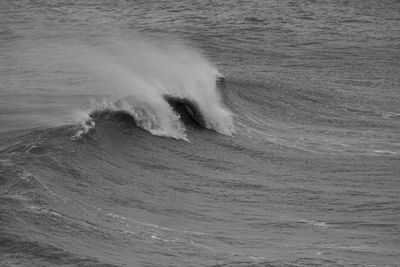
(319, 224)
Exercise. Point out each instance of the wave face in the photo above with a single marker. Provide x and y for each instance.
(199, 133)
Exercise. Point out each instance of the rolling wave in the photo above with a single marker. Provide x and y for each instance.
(169, 117)
(159, 86)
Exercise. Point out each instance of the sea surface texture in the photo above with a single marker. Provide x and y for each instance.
(199, 133)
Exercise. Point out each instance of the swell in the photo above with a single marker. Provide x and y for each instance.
(119, 174)
(309, 105)
(49, 184)
(23, 251)
(71, 190)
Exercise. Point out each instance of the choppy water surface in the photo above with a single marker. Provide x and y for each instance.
(121, 144)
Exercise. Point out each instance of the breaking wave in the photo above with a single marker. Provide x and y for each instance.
(161, 87)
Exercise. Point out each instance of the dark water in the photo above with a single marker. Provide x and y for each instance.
(293, 160)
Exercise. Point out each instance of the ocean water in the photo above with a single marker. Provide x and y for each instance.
(200, 133)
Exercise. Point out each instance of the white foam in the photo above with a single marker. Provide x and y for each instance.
(323, 225)
(386, 152)
(85, 122)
